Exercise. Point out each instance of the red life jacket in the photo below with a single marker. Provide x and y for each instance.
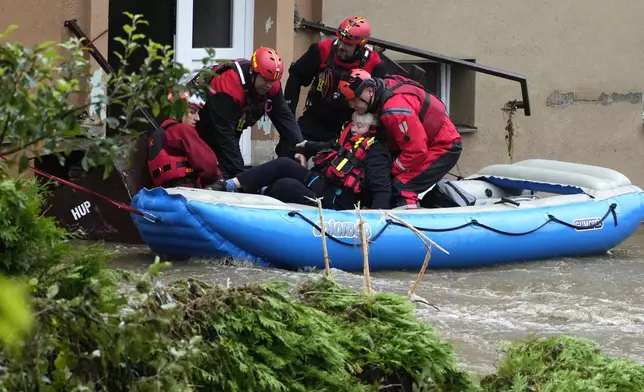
(345, 166)
(254, 109)
(325, 82)
(433, 112)
(166, 169)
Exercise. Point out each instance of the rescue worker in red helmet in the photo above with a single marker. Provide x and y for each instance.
(321, 66)
(176, 154)
(355, 167)
(239, 93)
(422, 138)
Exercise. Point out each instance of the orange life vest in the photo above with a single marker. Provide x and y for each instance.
(345, 166)
(167, 169)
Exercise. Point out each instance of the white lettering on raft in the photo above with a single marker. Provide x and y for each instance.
(584, 224)
(340, 229)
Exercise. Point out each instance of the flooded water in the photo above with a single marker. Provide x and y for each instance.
(601, 298)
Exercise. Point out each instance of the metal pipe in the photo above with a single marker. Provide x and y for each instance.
(73, 26)
(525, 104)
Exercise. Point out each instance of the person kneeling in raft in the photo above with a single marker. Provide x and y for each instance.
(355, 167)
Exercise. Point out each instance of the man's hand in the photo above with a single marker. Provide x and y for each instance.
(301, 144)
(301, 158)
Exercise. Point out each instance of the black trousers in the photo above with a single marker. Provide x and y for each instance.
(288, 181)
(407, 193)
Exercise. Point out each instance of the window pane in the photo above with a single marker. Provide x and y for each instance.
(212, 23)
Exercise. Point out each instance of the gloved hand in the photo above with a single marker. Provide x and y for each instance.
(300, 148)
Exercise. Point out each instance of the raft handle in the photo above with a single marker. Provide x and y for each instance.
(505, 199)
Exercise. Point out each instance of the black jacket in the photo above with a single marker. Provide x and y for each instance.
(329, 114)
(376, 189)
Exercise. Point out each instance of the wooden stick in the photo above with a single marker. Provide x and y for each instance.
(420, 234)
(365, 252)
(325, 251)
(421, 273)
(428, 245)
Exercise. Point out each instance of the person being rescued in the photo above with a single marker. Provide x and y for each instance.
(419, 132)
(321, 66)
(355, 167)
(176, 154)
(239, 93)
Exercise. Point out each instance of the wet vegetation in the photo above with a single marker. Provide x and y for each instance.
(563, 363)
(70, 323)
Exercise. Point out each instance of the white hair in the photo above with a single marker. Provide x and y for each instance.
(366, 118)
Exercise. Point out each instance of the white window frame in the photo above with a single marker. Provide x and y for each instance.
(243, 19)
(445, 84)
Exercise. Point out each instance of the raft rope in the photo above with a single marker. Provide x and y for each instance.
(145, 215)
(473, 222)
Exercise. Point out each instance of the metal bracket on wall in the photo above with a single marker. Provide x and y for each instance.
(508, 75)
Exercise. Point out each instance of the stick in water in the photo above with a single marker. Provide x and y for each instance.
(421, 273)
(364, 242)
(325, 251)
(427, 242)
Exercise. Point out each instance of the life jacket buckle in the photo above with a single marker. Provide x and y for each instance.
(342, 165)
(241, 124)
(321, 83)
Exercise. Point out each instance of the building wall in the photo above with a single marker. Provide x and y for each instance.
(583, 60)
(43, 20)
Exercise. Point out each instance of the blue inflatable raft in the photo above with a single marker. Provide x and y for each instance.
(531, 210)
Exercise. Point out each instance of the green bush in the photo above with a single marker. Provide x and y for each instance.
(27, 239)
(35, 248)
(562, 363)
(387, 343)
(258, 338)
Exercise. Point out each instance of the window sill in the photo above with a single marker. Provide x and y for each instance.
(465, 129)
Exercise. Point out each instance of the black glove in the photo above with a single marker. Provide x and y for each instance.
(298, 150)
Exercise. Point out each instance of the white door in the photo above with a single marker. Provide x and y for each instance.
(224, 25)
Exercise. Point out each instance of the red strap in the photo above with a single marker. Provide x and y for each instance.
(123, 206)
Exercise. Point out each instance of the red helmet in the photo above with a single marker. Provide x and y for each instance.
(354, 31)
(353, 83)
(193, 99)
(268, 63)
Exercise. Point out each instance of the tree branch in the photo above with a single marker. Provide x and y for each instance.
(18, 149)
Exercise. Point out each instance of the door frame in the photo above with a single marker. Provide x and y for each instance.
(242, 41)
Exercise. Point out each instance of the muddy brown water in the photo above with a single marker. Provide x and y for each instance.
(600, 298)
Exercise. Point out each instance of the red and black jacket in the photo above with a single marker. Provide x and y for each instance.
(233, 105)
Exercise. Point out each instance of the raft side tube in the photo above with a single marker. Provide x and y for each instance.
(549, 176)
